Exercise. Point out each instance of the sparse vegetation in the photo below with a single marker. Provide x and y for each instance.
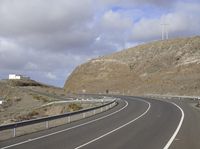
(24, 83)
(74, 107)
(107, 91)
(131, 66)
(17, 99)
(198, 104)
(28, 116)
(40, 98)
(22, 96)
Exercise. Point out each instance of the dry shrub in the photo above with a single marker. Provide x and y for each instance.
(74, 107)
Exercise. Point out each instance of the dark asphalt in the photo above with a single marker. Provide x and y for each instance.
(189, 134)
(151, 131)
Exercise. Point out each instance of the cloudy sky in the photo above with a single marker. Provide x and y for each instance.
(47, 39)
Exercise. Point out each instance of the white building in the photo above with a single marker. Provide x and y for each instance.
(14, 77)
(17, 77)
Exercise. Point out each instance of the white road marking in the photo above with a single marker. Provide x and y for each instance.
(85, 144)
(177, 129)
(57, 132)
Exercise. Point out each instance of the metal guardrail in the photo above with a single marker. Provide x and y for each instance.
(50, 118)
(173, 96)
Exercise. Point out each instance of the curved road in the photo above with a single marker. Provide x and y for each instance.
(135, 123)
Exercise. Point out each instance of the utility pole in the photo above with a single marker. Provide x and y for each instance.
(165, 33)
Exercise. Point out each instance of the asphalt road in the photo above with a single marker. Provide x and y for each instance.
(134, 124)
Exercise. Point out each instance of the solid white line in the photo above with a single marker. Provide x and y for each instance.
(149, 106)
(57, 132)
(177, 129)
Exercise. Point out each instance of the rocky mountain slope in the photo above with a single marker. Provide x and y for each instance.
(161, 67)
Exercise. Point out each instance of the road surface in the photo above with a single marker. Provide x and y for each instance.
(136, 123)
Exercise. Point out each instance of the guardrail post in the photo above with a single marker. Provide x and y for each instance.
(101, 109)
(69, 119)
(84, 115)
(47, 124)
(14, 132)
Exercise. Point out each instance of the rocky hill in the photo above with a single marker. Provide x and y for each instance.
(161, 67)
(24, 99)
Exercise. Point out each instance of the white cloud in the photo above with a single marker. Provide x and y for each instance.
(185, 20)
(131, 3)
(7, 45)
(115, 21)
(42, 16)
(51, 76)
(182, 21)
(113, 28)
(31, 66)
(146, 29)
(47, 24)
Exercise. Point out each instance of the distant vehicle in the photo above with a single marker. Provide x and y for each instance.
(1, 101)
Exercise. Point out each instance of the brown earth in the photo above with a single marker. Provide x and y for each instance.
(161, 67)
(25, 99)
